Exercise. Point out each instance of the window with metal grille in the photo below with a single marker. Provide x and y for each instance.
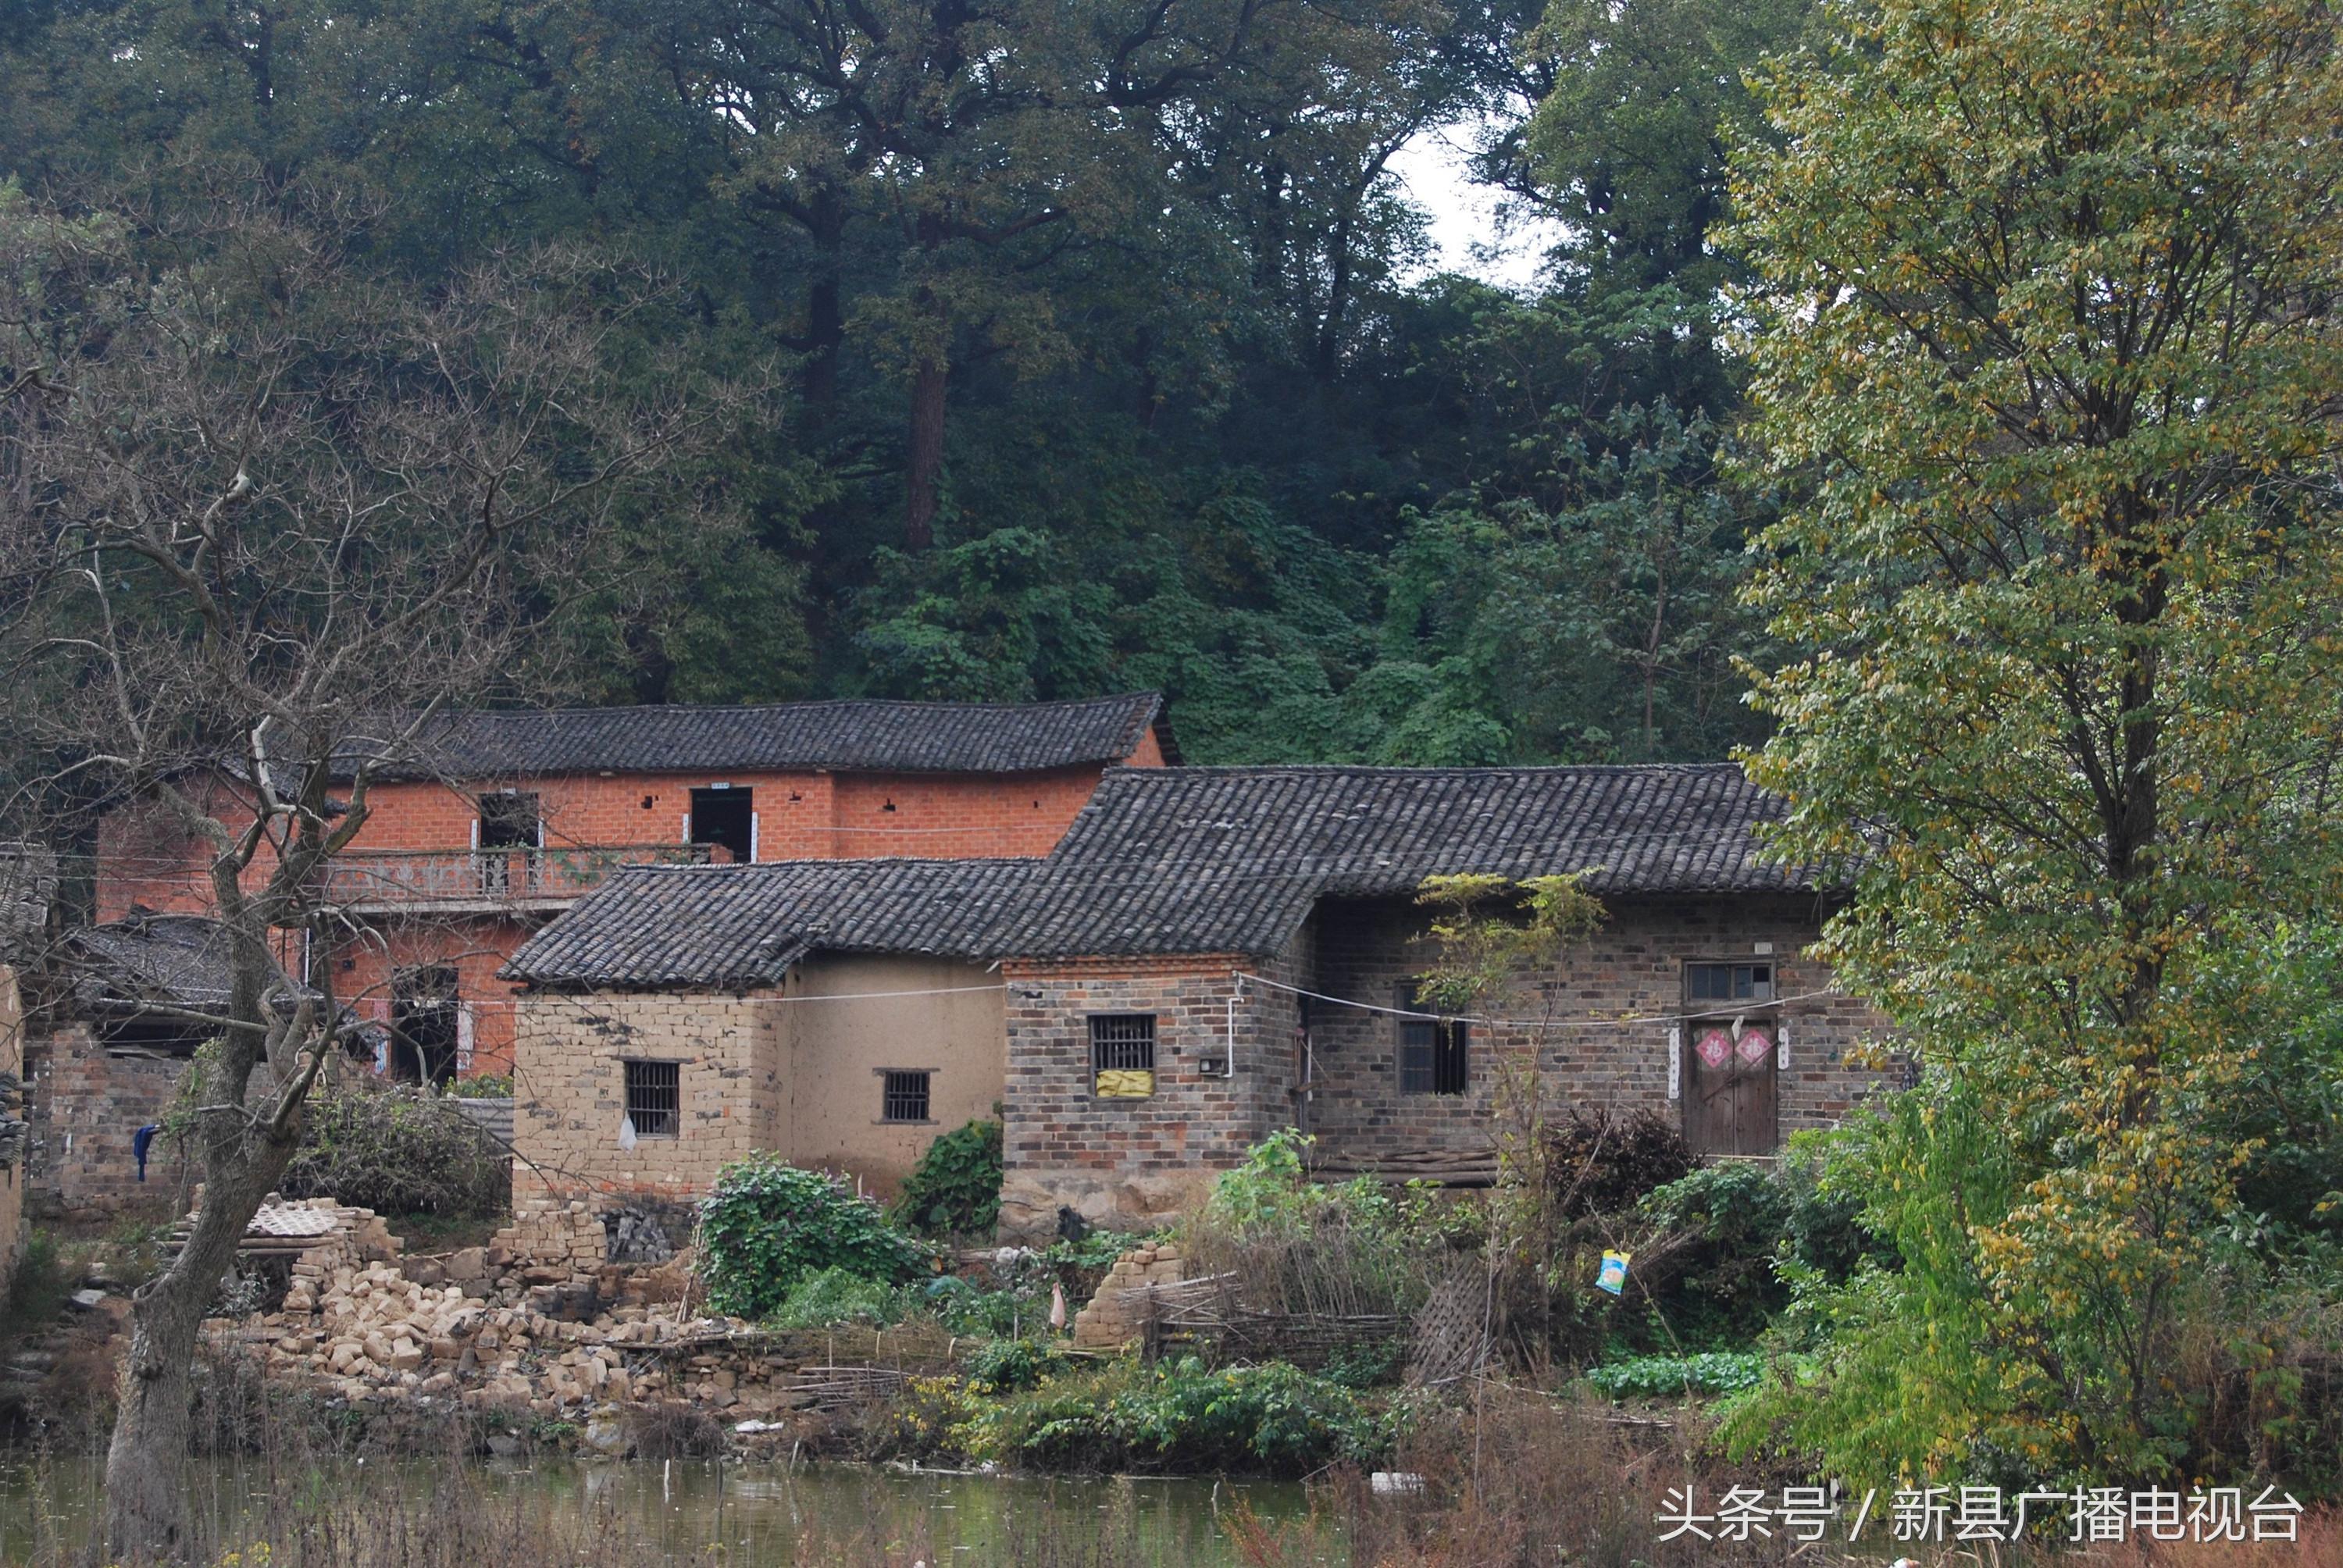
(1431, 1051)
(1728, 982)
(903, 1096)
(654, 1097)
(1122, 1055)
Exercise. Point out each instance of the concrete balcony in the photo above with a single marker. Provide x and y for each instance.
(486, 881)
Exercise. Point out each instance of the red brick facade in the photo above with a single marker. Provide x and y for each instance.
(417, 885)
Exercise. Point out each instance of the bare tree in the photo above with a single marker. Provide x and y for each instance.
(262, 516)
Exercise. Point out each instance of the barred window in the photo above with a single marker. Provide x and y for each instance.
(654, 1097)
(1122, 1055)
(903, 1096)
(1728, 982)
(1431, 1051)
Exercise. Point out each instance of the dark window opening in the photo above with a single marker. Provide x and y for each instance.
(1728, 982)
(903, 1096)
(424, 1033)
(511, 827)
(725, 817)
(1431, 1051)
(153, 1034)
(1122, 1055)
(654, 1097)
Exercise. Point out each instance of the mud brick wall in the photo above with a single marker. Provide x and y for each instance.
(1129, 1162)
(570, 1052)
(1633, 967)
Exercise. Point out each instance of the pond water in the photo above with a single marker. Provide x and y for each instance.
(735, 1513)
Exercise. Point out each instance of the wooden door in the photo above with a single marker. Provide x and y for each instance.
(1731, 1095)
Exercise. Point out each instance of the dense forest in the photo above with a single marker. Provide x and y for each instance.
(1096, 345)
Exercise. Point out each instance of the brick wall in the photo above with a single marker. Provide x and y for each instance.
(1128, 1160)
(86, 1104)
(1632, 969)
(365, 970)
(569, 1052)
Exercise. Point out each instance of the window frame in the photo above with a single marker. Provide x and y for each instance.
(1440, 1046)
(1141, 1044)
(890, 1091)
(629, 1088)
(1733, 969)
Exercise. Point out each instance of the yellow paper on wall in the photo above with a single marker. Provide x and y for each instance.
(1125, 1083)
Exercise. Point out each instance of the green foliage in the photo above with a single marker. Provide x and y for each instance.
(1666, 1377)
(1009, 1366)
(2057, 589)
(483, 1086)
(398, 1150)
(826, 1297)
(1274, 1419)
(955, 1189)
(38, 1290)
(765, 1224)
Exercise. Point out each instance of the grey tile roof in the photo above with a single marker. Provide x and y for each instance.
(846, 737)
(652, 926)
(1230, 859)
(1180, 861)
(173, 960)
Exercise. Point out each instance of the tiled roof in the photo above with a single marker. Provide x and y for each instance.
(1230, 859)
(1180, 860)
(849, 736)
(745, 925)
(172, 960)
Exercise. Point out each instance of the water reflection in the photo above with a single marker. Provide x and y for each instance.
(753, 1513)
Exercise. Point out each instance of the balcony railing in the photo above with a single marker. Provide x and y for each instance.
(398, 878)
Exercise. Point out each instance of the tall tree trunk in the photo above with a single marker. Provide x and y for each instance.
(923, 470)
(145, 1494)
(825, 302)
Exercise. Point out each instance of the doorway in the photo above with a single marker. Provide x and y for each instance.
(424, 1033)
(1731, 1069)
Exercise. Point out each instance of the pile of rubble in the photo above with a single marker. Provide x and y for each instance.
(537, 1318)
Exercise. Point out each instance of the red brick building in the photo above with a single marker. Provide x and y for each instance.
(486, 825)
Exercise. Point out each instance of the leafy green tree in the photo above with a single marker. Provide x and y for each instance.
(2044, 345)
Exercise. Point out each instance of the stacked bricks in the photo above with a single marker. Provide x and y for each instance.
(571, 1091)
(1631, 968)
(1117, 1313)
(553, 1232)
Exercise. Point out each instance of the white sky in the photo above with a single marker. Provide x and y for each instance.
(1464, 229)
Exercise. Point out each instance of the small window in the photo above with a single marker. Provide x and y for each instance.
(1728, 982)
(1122, 1055)
(654, 1097)
(1431, 1052)
(903, 1096)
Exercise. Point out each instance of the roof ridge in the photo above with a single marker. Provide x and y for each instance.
(802, 703)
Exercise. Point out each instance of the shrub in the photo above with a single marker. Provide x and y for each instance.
(1715, 1282)
(486, 1086)
(829, 1296)
(1598, 1162)
(766, 1223)
(956, 1188)
(1660, 1377)
(1274, 1418)
(397, 1149)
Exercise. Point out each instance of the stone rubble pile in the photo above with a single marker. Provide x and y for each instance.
(538, 1317)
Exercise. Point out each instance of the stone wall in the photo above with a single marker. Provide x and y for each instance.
(1224, 1080)
(1632, 969)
